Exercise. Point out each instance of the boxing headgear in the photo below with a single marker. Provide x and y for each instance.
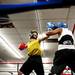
(54, 25)
(51, 25)
(33, 33)
(62, 25)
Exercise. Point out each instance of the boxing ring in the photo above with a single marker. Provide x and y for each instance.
(40, 4)
(11, 67)
(24, 7)
(15, 8)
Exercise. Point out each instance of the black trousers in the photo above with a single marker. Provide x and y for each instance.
(33, 63)
(63, 58)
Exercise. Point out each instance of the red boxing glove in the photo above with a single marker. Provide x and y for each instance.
(22, 46)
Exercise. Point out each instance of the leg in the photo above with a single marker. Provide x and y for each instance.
(26, 68)
(71, 60)
(39, 69)
(38, 66)
(57, 69)
(59, 63)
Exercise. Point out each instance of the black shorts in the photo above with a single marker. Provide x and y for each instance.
(33, 63)
(63, 58)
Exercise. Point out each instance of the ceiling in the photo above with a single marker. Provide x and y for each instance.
(24, 22)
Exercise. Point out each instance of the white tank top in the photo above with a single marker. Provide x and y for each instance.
(63, 40)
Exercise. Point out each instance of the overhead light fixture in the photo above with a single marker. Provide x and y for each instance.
(10, 47)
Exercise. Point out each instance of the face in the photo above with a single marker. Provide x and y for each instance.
(34, 36)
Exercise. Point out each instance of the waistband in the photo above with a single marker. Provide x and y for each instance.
(33, 55)
(60, 47)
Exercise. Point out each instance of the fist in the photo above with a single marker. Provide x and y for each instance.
(22, 46)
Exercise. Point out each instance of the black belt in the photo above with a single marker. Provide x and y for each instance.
(34, 55)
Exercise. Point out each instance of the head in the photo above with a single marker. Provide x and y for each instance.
(33, 34)
(51, 25)
(55, 25)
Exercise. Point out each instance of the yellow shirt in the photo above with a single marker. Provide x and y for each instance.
(34, 47)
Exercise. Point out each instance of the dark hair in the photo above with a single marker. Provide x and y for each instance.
(34, 31)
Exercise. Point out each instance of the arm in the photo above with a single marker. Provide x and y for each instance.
(50, 33)
(44, 37)
(54, 32)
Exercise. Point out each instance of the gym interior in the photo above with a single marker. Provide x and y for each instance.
(15, 26)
